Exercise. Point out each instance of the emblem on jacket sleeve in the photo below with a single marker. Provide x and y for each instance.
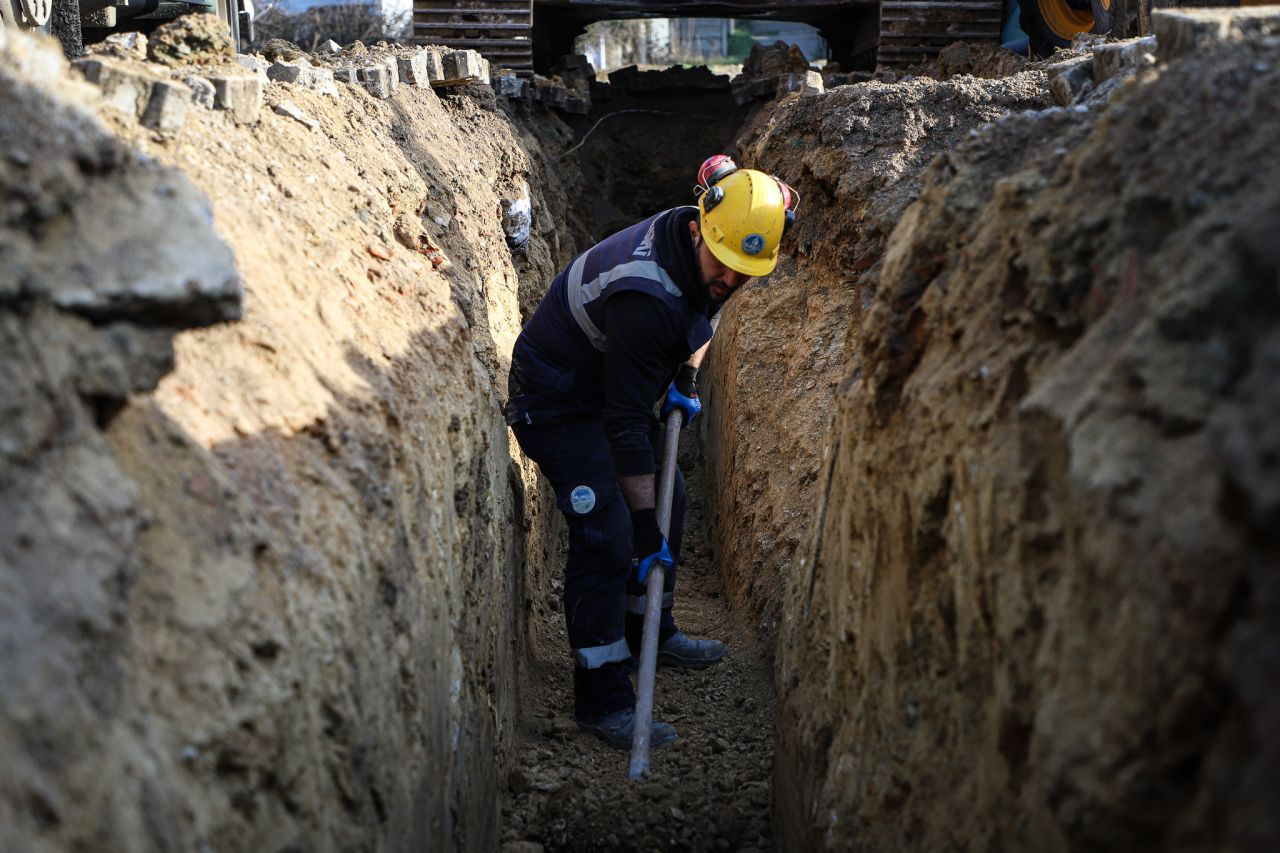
(582, 499)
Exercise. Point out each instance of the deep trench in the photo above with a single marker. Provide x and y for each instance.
(991, 540)
(711, 790)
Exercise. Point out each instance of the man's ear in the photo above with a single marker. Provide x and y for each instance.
(694, 231)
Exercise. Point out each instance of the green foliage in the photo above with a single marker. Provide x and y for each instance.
(740, 42)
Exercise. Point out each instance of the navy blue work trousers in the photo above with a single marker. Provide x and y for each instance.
(603, 603)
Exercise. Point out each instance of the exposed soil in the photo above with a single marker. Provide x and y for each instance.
(709, 791)
(984, 501)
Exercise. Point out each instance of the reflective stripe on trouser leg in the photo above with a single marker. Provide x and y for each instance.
(635, 603)
(597, 656)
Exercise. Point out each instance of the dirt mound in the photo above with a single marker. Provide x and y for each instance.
(191, 39)
(276, 50)
(855, 155)
(977, 59)
(274, 603)
(1043, 565)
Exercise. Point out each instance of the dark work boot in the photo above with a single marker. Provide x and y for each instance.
(679, 650)
(618, 727)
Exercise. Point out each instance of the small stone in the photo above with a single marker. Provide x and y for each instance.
(1070, 79)
(316, 79)
(201, 91)
(1115, 58)
(254, 64)
(464, 65)
(438, 214)
(280, 49)
(518, 781)
(509, 86)
(522, 847)
(330, 46)
(167, 107)
(376, 80)
(240, 96)
(415, 70)
(127, 43)
(291, 110)
(808, 83)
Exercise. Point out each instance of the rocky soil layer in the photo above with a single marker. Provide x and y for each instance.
(1038, 606)
(855, 155)
(259, 586)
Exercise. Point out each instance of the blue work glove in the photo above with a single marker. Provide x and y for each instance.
(683, 395)
(650, 545)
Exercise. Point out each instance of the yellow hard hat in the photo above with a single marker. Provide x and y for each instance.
(742, 219)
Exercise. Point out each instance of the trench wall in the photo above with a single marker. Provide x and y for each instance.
(1029, 559)
(262, 532)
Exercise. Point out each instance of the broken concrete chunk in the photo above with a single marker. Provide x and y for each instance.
(330, 46)
(191, 39)
(346, 74)
(575, 105)
(252, 63)
(808, 83)
(141, 249)
(281, 49)
(1086, 41)
(462, 66)
(128, 43)
(508, 85)
(434, 64)
(239, 95)
(1070, 79)
(419, 68)
(201, 91)
(167, 107)
(376, 80)
(1183, 31)
(291, 110)
(122, 89)
(550, 93)
(316, 79)
(1118, 57)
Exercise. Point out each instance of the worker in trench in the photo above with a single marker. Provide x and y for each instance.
(624, 327)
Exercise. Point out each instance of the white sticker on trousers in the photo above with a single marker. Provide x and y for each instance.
(582, 499)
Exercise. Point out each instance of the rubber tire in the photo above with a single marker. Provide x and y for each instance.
(1041, 36)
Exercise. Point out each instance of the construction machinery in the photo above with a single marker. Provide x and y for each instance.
(525, 35)
(528, 34)
(78, 22)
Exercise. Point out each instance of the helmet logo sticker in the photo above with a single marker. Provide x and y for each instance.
(753, 244)
(582, 499)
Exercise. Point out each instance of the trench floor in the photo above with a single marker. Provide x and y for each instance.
(710, 791)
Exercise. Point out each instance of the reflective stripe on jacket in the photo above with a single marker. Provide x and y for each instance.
(557, 366)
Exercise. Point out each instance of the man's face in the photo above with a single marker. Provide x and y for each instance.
(721, 281)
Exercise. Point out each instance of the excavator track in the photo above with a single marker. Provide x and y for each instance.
(913, 31)
(501, 30)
